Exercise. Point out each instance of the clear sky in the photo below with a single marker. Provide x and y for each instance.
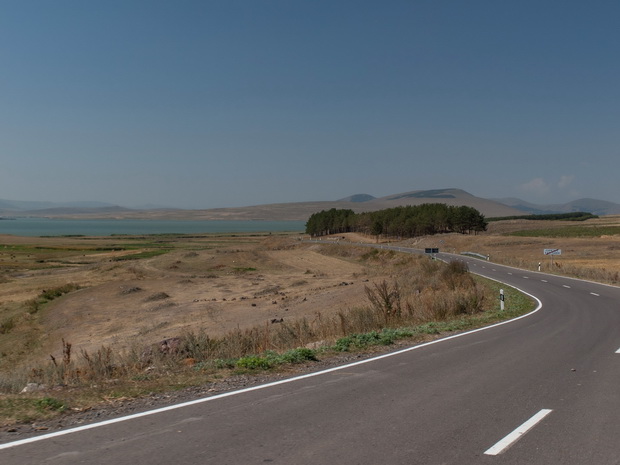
(203, 104)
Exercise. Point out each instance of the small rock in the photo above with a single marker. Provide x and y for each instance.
(33, 387)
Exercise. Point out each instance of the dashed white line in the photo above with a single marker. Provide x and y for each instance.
(594, 293)
(526, 277)
(544, 281)
(518, 433)
(566, 286)
(618, 351)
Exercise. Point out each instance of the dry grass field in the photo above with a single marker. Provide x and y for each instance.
(135, 291)
(129, 292)
(154, 287)
(589, 249)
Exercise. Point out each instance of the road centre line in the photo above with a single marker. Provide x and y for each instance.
(594, 293)
(517, 434)
(262, 386)
(566, 286)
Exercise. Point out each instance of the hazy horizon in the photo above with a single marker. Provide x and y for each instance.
(200, 105)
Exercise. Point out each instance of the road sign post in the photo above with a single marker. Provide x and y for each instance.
(432, 251)
(551, 253)
(501, 299)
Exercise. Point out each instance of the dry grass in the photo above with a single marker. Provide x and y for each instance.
(227, 297)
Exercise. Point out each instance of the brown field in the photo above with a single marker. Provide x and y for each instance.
(595, 258)
(213, 283)
(219, 283)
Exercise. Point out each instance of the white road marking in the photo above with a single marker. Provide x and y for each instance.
(566, 286)
(263, 386)
(544, 281)
(526, 277)
(518, 433)
(618, 351)
(510, 274)
(594, 293)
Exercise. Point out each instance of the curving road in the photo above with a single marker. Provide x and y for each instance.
(543, 389)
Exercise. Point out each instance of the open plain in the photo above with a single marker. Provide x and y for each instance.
(136, 291)
(150, 288)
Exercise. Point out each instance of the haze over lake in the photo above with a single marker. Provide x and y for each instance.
(92, 227)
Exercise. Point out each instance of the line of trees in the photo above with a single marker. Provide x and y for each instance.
(407, 221)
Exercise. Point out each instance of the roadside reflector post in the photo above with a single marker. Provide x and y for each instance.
(501, 299)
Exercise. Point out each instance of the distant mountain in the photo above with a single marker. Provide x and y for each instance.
(429, 194)
(594, 206)
(358, 198)
(21, 205)
(454, 197)
(301, 211)
(70, 211)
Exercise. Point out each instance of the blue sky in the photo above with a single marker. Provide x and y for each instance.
(204, 104)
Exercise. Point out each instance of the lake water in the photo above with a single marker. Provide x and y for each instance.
(58, 227)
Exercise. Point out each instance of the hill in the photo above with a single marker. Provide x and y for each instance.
(299, 211)
(594, 206)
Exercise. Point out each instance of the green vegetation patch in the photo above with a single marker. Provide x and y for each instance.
(140, 255)
(47, 295)
(569, 232)
(272, 359)
(572, 216)
(24, 409)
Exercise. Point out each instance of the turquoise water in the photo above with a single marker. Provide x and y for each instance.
(57, 227)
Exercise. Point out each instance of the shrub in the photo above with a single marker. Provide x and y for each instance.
(254, 362)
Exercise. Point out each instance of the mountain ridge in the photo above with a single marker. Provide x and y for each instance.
(301, 211)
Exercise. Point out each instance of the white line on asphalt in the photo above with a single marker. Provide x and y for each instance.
(594, 293)
(618, 351)
(517, 434)
(510, 274)
(263, 386)
(566, 286)
(544, 281)
(526, 277)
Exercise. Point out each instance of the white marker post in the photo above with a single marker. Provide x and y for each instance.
(501, 300)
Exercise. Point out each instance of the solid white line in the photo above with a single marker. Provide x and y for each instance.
(517, 434)
(262, 386)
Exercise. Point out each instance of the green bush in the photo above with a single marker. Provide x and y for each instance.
(254, 362)
(49, 403)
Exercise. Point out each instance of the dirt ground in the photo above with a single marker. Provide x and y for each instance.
(219, 284)
(234, 284)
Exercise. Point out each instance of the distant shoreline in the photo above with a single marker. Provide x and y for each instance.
(39, 226)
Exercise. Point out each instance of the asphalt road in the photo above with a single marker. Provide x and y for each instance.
(550, 380)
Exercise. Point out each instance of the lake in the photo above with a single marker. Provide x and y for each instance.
(107, 227)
